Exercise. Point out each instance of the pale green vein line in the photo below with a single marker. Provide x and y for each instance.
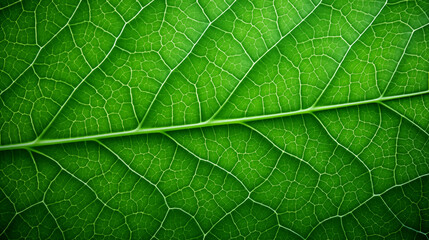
(257, 60)
(133, 171)
(401, 58)
(84, 184)
(404, 117)
(10, 5)
(216, 122)
(180, 63)
(281, 149)
(160, 226)
(347, 149)
(346, 54)
(399, 220)
(366, 201)
(89, 74)
(228, 214)
(397, 66)
(41, 48)
(191, 216)
(207, 161)
(277, 217)
(55, 219)
(3, 233)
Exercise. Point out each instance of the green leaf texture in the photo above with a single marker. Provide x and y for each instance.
(214, 119)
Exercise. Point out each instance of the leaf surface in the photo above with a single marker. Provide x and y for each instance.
(288, 119)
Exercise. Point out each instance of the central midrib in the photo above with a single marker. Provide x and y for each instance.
(214, 122)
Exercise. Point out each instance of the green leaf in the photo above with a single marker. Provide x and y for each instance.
(216, 119)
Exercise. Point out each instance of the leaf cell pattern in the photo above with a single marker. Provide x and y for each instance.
(214, 119)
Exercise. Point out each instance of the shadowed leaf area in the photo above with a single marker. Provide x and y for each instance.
(214, 119)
